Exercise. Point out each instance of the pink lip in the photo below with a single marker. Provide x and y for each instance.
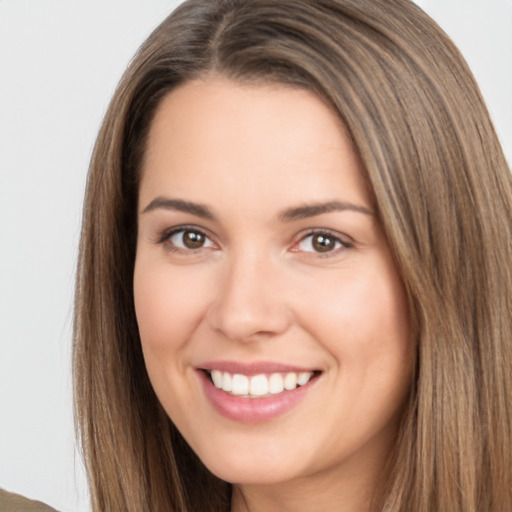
(255, 368)
(253, 410)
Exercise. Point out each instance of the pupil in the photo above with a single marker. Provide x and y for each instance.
(323, 243)
(193, 239)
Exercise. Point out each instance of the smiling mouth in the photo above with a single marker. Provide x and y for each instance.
(259, 386)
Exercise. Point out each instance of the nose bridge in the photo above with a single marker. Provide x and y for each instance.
(249, 303)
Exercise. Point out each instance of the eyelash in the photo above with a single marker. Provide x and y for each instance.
(165, 238)
(341, 243)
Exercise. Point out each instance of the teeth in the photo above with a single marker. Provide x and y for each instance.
(216, 376)
(290, 381)
(240, 384)
(227, 381)
(258, 385)
(304, 378)
(276, 383)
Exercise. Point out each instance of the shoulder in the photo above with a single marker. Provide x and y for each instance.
(10, 502)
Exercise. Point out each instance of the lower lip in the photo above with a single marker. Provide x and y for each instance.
(253, 410)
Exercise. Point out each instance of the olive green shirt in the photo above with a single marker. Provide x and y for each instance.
(10, 502)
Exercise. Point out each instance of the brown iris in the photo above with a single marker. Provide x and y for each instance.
(193, 239)
(323, 243)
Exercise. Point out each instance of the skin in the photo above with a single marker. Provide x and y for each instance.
(259, 290)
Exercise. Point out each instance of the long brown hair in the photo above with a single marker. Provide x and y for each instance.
(444, 196)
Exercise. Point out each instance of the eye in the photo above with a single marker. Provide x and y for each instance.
(187, 239)
(321, 242)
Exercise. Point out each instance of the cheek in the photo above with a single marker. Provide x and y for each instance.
(168, 309)
(167, 305)
(363, 323)
(362, 319)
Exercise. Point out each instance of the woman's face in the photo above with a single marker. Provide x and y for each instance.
(262, 266)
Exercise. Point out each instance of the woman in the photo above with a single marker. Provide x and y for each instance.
(293, 287)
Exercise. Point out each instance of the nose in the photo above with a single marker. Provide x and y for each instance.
(250, 305)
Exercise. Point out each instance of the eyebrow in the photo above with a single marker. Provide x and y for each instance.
(288, 215)
(179, 205)
(314, 209)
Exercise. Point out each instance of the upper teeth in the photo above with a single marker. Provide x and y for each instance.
(258, 385)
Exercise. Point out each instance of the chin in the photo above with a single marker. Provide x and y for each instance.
(251, 476)
(252, 470)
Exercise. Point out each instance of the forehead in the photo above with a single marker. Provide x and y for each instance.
(214, 135)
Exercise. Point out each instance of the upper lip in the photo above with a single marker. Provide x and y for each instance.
(253, 368)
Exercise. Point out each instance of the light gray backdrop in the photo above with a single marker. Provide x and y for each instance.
(59, 63)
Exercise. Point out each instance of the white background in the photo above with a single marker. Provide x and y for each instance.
(59, 64)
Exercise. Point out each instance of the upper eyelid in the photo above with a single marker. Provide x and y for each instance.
(165, 240)
(346, 243)
(344, 239)
(167, 233)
